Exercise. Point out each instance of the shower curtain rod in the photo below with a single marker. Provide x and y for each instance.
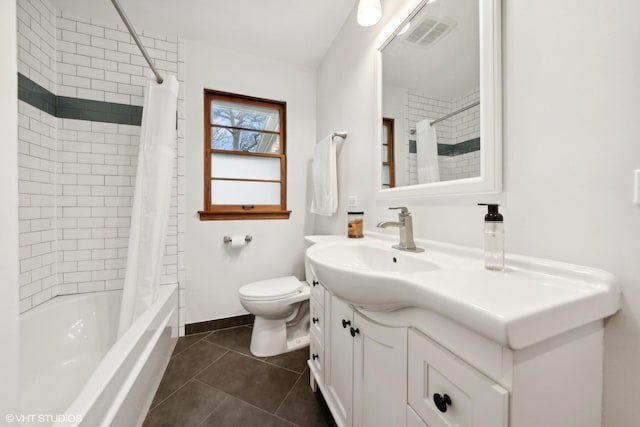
(126, 21)
(473, 104)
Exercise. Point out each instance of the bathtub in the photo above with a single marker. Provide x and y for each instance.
(75, 373)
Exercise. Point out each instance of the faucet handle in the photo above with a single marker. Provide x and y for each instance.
(403, 210)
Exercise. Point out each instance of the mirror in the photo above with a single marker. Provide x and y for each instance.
(440, 113)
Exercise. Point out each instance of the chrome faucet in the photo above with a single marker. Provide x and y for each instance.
(405, 226)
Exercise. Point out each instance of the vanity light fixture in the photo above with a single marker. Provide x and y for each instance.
(369, 12)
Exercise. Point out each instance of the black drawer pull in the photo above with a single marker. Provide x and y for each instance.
(315, 320)
(354, 332)
(315, 283)
(441, 401)
(314, 356)
(345, 323)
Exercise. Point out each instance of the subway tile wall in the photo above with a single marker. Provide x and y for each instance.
(97, 161)
(92, 164)
(37, 157)
(459, 128)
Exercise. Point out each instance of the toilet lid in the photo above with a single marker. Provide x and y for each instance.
(277, 288)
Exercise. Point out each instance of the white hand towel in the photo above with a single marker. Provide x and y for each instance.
(427, 152)
(325, 178)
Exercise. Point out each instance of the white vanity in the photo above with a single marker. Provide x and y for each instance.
(434, 339)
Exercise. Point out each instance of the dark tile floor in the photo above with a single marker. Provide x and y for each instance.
(213, 380)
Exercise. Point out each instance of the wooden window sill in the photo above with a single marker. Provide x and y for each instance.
(235, 215)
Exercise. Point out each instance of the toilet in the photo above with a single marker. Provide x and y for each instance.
(281, 308)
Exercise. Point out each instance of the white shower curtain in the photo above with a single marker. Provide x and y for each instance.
(151, 200)
(427, 152)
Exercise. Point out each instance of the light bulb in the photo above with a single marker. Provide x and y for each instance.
(369, 12)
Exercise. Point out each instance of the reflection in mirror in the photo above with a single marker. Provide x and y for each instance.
(431, 91)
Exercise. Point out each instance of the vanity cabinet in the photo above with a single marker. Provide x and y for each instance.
(414, 368)
(444, 391)
(365, 373)
(379, 374)
(339, 370)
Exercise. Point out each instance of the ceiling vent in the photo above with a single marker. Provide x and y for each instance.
(428, 31)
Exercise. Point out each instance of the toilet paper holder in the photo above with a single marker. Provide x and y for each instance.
(228, 239)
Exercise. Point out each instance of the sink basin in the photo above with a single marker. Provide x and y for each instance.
(530, 301)
(371, 275)
(373, 258)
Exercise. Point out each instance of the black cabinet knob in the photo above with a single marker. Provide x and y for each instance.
(441, 401)
(314, 356)
(345, 323)
(354, 332)
(315, 283)
(314, 320)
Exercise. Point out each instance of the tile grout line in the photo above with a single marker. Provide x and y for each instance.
(250, 404)
(257, 358)
(187, 348)
(217, 406)
(289, 393)
(187, 381)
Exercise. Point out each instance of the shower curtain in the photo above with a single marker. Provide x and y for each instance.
(427, 152)
(151, 200)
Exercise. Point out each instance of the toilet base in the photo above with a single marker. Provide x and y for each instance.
(269, 338)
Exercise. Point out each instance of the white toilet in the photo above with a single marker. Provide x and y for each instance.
(281, 307)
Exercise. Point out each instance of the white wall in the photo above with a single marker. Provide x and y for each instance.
(571, 142)
(9, 211)
(214, 273)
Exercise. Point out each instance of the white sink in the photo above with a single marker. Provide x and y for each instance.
(368, 257)
(528, 302)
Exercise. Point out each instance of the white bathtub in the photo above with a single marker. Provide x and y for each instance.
(74, 372)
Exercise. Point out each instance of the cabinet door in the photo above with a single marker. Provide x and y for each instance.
(339, 366)
(379, 374)
(445, 391)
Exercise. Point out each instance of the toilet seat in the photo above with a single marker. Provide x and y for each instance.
(271, 289)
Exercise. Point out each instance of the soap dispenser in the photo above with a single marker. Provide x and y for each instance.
(493, 238)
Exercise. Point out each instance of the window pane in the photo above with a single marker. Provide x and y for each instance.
(385, 134)
(245, 193)
(247, 167)
(385, 153)
(244, 140)
(385, 174)
(244, 116)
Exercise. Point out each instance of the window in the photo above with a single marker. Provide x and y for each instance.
(388, 166)
(245, 165)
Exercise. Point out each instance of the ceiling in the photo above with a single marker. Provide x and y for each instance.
(296, 31)
(447, 69)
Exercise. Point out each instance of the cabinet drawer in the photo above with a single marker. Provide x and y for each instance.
(316, 357)
(413, 420)
(439, 378)
(317, 321)
(317, 290)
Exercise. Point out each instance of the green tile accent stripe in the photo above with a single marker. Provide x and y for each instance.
(465, 147)
(98, 111)
(34, 94)
(448, 150)
(74, 108)
(412, 146)
(445, 150)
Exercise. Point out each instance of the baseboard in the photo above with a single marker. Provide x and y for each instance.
(214, 325)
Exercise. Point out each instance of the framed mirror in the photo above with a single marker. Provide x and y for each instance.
(440, 112)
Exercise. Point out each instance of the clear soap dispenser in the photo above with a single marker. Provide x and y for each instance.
(493, 238)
